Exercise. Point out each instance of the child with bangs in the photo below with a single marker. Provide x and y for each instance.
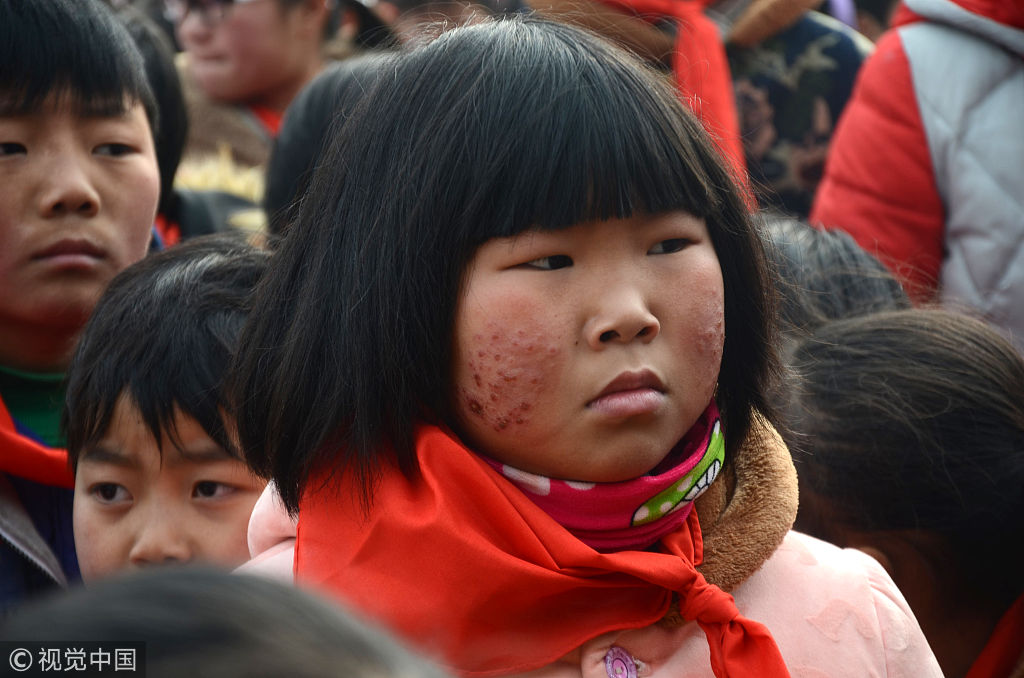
(158, 477)
(80, 189)
(509, 370)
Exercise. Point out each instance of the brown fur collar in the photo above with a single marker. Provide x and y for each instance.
(748, 510)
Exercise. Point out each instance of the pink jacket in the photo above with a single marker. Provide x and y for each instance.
(834, 613)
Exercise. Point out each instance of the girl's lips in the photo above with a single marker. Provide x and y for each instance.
(630, 394)
(628, 403)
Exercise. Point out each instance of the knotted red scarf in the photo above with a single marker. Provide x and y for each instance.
(701, 69)
(459, 562)
(23, 457)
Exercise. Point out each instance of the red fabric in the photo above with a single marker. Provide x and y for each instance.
(878, 182)
(25, 458)
(1010, 13)
(269, 118)
(701, 70)
(1005, 648)
(462, 564)
(170, 232)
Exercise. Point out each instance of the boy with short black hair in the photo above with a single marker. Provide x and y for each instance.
(80, 188)
(158, 477)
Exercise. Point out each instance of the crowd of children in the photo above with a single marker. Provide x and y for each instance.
(523, 373)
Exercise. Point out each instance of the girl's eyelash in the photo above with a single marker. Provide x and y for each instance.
(669, 246)
(551, 263)
(11, 148)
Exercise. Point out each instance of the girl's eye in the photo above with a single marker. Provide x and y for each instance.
(669, 246)
(551, 263)
(113, 150)
(211, 489)
(11, 148)
(110, 493)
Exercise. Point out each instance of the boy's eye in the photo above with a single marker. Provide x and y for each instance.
(114, 150)
(110, 493)
(669, 246)
(551, 263)
(210, 489)
(11, 148)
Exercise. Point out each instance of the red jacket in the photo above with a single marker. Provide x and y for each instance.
(895, 186)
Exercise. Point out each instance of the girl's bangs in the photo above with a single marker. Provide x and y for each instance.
(588, 140)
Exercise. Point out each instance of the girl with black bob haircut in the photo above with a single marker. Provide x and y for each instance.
(387, 235)
(908, 429)
(78, 71)
(522, 323)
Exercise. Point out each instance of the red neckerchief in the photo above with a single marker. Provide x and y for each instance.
(26, 458)
(455, 561)
(1005, 647)
(701, 69)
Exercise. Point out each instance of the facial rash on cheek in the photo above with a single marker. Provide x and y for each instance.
(506, 377)
(711, 344)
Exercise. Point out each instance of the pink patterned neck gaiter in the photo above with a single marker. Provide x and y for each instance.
(632, 514)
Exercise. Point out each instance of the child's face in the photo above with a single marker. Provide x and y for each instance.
(587, 353)
(135, 507)
(79, 198)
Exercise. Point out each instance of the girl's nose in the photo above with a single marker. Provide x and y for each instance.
(68, 190)
(162, 539)
(621, 317)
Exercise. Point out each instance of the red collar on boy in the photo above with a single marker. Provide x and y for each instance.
(24, 457)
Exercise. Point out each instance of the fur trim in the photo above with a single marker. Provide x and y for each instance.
(747, 511)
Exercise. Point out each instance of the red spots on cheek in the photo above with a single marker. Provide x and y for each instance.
(507, 378)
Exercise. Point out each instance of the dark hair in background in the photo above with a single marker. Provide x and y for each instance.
(164, 332)
(198, 621)
(489, 131)
(825, 275)
(158, 56)
(74, 50)
(324, 104)
(914, 420)
(881, 10)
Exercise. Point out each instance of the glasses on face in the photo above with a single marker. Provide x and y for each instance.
(211, 12)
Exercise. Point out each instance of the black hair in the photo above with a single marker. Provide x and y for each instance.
(489, 131)
(163, 333)
(914, 420)
(158, 58)
(323, 104)
(198, 621)
(825, 275)
(881, 10)
(74, 50)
